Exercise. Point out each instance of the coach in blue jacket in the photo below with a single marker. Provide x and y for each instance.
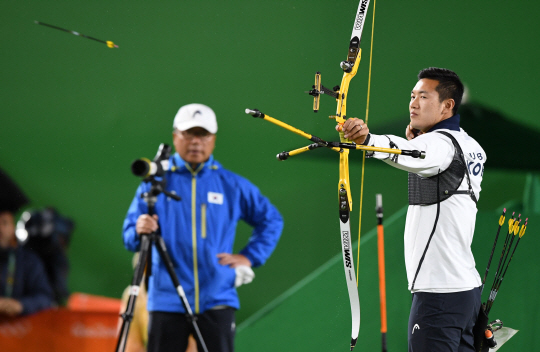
(199, 233)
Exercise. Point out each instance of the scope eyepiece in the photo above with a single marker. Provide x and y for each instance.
(143, 167)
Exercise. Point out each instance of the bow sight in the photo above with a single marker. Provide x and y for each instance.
(319, 89)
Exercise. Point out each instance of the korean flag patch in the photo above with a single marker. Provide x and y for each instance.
(215, 198)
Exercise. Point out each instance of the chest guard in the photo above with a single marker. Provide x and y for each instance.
(423, 190)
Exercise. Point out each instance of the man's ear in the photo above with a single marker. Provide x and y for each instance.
(448, 106)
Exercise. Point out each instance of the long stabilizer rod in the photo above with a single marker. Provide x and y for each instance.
(332, 145)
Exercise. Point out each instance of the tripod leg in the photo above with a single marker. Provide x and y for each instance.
(162, 249)
(127, 316)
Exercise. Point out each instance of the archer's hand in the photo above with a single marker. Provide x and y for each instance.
(411, 132)
(233, 260)
(146, 224)
(355, 130)
(10, 307)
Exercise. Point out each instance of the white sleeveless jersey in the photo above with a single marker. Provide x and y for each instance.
(449, 264)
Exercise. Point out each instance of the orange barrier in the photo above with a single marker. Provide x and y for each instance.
(89, 326)
(91, 303)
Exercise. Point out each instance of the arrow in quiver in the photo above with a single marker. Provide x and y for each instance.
(483, 332)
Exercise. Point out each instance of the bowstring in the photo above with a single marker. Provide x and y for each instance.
(364, 152)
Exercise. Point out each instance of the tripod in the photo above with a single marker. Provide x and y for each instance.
(150, 198)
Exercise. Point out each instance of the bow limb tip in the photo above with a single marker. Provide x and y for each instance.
(353, 343)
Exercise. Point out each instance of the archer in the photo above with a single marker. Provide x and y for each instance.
(443, 191)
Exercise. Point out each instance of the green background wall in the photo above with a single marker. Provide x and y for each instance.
(75, 114)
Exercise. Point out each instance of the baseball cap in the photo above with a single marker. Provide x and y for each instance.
(195, 115)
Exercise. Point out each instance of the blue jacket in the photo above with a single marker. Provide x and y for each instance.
(199, 227)
(30, 285)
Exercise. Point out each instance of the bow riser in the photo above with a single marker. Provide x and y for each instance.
(341, 111)
(340, 117)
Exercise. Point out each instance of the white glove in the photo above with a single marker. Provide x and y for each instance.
(244, 275)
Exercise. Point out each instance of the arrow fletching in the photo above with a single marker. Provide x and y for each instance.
(515, 230)
(523, 228)
(511, 223)
(501, 219)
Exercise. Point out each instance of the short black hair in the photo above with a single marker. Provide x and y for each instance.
(449, 87)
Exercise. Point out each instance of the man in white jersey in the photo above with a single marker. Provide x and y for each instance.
(443, 191)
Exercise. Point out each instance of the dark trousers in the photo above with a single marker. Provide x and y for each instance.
(170, 331)
(443, 322)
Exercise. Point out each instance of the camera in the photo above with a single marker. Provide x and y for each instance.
(143, 167)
